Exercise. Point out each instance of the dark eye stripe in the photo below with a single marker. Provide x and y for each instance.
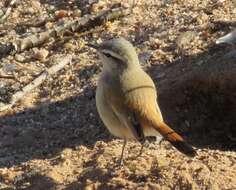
(111, 56)
(107, 54)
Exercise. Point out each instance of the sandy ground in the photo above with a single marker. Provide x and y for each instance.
(54, 139)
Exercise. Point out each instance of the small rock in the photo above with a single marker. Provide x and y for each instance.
(9, 68)
(95, 7)
(15, 14)
(61, 13)
(126, 5)
(19, 58)
(36, 5)
(69, 46)
(30, 10)
(41, 55)
(77, 13)
(55, 176)
(49, 25)
(185, 38)
(67, 152)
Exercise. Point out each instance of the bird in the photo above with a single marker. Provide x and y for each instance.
(126, 98)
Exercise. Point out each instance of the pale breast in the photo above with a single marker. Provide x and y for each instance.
(107, 114)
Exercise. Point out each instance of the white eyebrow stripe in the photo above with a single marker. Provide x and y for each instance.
(113, 54)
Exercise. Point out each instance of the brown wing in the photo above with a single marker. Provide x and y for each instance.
(128, 119)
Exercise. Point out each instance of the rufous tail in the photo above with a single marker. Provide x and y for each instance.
(176, 140)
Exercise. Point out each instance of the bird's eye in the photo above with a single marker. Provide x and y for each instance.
(107, 54)
(111, 56)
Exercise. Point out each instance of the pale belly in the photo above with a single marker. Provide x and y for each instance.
(114, 124)
(117, 128)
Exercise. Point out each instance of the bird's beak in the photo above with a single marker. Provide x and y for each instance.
(94, 46)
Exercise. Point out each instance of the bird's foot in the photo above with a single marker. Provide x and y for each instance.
(161, 141)
(144, 143)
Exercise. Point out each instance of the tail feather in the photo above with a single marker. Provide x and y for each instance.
(176, 140)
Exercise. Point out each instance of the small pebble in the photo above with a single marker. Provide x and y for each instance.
(77, 13)
(61, 13)
(41, 55)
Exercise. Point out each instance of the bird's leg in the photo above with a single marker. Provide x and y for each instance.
(143, 143)
(141, 150)
(122, 153)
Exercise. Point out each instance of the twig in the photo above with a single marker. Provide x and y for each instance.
(7, 77)
(8, 11)
(78, 25)
(36, 82)
(76, 36)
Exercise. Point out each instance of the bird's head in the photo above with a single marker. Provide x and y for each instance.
(117, 53)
